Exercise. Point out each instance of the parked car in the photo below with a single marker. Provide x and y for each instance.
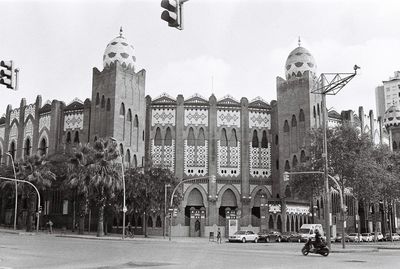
(354, 237)
(395, 236)
(244, 236)
(367, 237)
(339, 237)
(272, 236)
(295, 237)
(379, 236)
(286, 236)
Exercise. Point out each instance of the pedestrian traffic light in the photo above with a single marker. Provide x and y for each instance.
(6, 75)
(172, 12)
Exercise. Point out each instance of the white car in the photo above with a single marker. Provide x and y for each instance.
(396, 237)
(367, 237)
(244, 236)
(354, 237)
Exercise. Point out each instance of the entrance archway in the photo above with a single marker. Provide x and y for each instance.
(228, 200)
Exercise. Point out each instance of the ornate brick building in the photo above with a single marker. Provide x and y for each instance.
(245, 144)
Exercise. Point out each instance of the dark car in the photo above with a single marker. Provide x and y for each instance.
(295, 237)
(286, 237)
(270, 237)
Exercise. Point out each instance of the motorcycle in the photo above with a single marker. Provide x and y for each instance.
(309, 248)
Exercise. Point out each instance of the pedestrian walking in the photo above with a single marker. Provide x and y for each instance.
(219, 240)
(50, 224)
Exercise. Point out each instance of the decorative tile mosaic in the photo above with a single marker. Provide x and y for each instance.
(163, 155)
(14, 132)
(228, 118)
(259, 120)
(14, 114)
(73, 121)
(195, 160)
(29, 110)
(196, 117)
(44, 121)
(163, 116)
(28, 131)
(260, 161)
(228, 163)
(2, 132)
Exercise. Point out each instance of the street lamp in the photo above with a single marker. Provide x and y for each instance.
(16, 191)
(166, 186)
(124, 209)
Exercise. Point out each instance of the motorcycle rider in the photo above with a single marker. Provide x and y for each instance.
(318, 239)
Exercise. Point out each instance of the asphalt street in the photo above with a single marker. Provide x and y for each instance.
(48, 251)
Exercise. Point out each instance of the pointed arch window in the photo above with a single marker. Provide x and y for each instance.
(223, 138)
(168, 137)
(302, 156)
(394, 145)
(191, 140)
(254, 141)
(68, 140)
(233, 139)
(295, 161)
(286, 126)
(264, 140)
(158, 138)
(314, 113)
(12, 150)
(129, 119)
(136, 125)
(27, 147)
(287, 166)
(97, 99)
(201, 141)
(103, 102)
(294, 121)
(301, 115)
(108, 107)
(128, 157)
(318, 109)
(134, 161)
(76, 137)
(43, 147)
(122, 110)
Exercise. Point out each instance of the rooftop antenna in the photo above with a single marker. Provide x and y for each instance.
(299, 42)
(120, 31)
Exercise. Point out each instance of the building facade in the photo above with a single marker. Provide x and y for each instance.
(235, 151)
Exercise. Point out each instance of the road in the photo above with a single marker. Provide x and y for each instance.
(46, 251)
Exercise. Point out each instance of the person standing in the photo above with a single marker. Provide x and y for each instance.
(219, 239)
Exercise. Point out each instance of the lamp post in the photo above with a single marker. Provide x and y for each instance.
(16, 191)
(166, 186)
(124, 209)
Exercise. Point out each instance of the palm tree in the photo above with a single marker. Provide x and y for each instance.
(94, 175)
(34, 169)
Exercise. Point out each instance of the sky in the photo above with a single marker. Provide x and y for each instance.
(235, 47)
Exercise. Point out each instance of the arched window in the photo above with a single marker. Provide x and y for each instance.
(287, 166)
(136, 125)
(394, 145)
(128, 157)
(294, 163)
(254, 141)
(318, 109)
(301, 115)
(223, 138)
(103, 102)
(294, 121)
(129, 119)
(43, 147)
(201, 141)
(68, 140)
(108, 107)
(134, 161)
(76, 137)
(191, 140)
(286, 126)
(12, 150)
(314, 113)
(97, 99)
(27, 147)
(264, 140)
(158, 138)
(233, 139)
(122, 110)
(168, 137)
(302, 156)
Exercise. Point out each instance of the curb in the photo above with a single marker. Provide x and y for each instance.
(355, 250)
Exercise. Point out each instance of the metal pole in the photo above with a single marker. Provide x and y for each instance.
(16, 191)
(166, 186)
(124, 209)
(325, 157)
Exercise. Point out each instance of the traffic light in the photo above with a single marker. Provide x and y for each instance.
(6, 75)
(172, 12)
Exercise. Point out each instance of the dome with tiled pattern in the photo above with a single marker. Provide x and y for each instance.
(299, 61)
(119, 50)
(392, 116)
